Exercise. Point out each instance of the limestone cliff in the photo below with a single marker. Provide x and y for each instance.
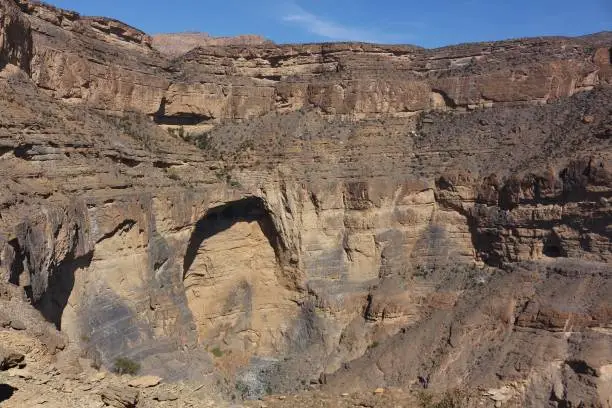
(180, 43)
(348, 216)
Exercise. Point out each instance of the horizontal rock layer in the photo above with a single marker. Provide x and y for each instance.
(112, 66)
(351, 199)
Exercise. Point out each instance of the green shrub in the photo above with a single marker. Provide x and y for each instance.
(217, 352)
(124, 365)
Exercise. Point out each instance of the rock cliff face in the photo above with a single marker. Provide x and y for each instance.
(350, 215)
(180, 43)
(15, 37)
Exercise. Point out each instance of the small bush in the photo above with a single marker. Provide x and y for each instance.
(137, 127)
(217, 352)
(203, 141)
(124, 365)
(242, 389)
(173, 175)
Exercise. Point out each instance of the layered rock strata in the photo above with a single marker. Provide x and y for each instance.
(347, 203)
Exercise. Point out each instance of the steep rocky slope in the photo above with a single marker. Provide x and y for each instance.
(349, 216)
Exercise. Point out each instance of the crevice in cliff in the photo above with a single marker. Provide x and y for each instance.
(22, 151)
(17, 259)
(180, 119)
(553, 247)
(53, 302)
(125, 226)
(440, 99)
(581, 367)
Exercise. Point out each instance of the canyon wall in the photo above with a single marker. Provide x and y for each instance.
(353, 215)
(114, 67)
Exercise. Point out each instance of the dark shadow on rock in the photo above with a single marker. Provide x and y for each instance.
(53, 302)
(113, 329)
(16, 262)
(221, 218)
(6, 392)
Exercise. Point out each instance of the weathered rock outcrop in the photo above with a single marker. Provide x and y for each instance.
(112, 66)
(347, 202)
(180, 43)
(104, 63)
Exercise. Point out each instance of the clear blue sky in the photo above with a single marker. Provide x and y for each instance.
(429, 23)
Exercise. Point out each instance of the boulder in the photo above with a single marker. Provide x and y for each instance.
(17, 325)
(163, 395)
(10, 359)
(145, 381)
(120, 397)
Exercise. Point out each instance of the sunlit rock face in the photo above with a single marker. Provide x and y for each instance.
(232, 280)
(352, 215)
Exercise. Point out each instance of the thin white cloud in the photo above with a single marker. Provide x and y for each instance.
(330, 29)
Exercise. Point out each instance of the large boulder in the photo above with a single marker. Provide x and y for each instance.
(10, 359)
(120, 397)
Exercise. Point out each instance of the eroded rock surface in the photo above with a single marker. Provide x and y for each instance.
(351, 216)
(180, 43)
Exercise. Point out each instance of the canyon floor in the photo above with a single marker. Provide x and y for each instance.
(189, 222)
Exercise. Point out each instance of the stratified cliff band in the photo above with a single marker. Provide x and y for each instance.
(260, 218)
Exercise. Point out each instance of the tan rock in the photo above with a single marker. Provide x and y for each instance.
(145, 381)
(120, 397)
(373, 219)
(98, 377)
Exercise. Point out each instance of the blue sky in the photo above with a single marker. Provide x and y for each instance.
(428, 23)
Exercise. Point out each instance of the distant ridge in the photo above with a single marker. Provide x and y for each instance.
(176, 44)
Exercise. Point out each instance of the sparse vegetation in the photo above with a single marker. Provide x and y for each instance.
(450, 399)
(177, 132)
(124, 365)
(173, 175)
(242, 389)
(217, 352)
(135, 126)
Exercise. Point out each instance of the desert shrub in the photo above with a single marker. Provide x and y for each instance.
(203, 141)
(242, 389)
(173, 175)
(124, 365)
(217, 352)
(137, 127)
